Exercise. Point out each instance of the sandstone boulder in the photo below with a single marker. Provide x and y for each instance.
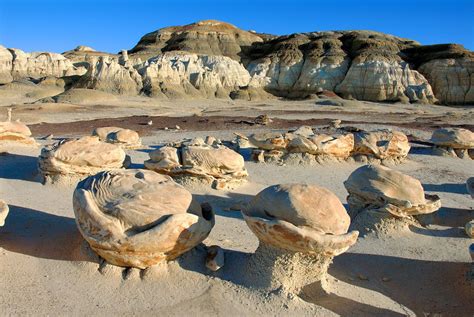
(381, 144)
(300, 229)
(378, 188)
(209, 162)
(138, 218)
(126, 138)
(14, 133)
(80, 157)
(455, 142)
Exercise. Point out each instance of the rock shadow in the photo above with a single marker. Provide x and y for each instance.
(229, 206)
(43, 235)
(21, 167)
(425, 287)
(447, 188)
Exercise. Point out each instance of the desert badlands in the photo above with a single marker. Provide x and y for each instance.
(210, 170)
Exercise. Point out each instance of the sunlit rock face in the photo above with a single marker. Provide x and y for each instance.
(138, 218)
(182, 74)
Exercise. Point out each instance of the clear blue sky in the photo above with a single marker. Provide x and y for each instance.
(48, 25)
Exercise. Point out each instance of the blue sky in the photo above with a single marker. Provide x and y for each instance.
(107, 25)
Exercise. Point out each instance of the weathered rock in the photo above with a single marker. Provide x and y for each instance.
(3, 212)
(138, 218)
(208, 37)
(178, 74)
(454, 142)
(469, 227)
(380, 189)
(452, 79)
(42, 64)
(106, 74)
(125, 138)
(14, 133)
(77, 158)
(212, 163)
(6, 65)
(300, 229)
(215, 258)
(269, 140)
(340, 146)
(381, 144)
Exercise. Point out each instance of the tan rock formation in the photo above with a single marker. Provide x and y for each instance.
(377, 193)
(125, 138)
(138, 218)
(195, 160)
(6, 65)
(106, 74)
(300, 229)
(178, 74)
(42, 64)
(77, 158)
(3, 212)
(382, 144)
(14, 133)
(208, 37)
(454, 142)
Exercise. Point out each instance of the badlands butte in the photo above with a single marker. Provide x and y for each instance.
(210, 170)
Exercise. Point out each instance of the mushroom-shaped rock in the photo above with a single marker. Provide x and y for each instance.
(15, 133)
(381, 144)
(300, 228)
(196, 160)
(379, 191)
(3, 212)
(138, 218)
(456, 142)
(80, 157)
(126, 138)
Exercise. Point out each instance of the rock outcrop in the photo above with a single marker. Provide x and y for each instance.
(73, 159)
(6, 65)
(181, 74)
(107, 74)
(138, 218)
(207, 161)
(41, 64)
(300, 229)
(205, 37)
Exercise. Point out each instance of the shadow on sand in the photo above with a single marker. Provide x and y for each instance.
(39, 234)
(21, 167)
(446, 188)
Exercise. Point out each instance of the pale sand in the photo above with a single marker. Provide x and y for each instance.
(45, 268)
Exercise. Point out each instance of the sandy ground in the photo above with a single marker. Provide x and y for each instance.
(47, 269)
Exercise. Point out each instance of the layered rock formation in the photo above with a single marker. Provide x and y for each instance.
(107, 74)
(214, 59)
(125, 138)
(179, 74)
(205, 37)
